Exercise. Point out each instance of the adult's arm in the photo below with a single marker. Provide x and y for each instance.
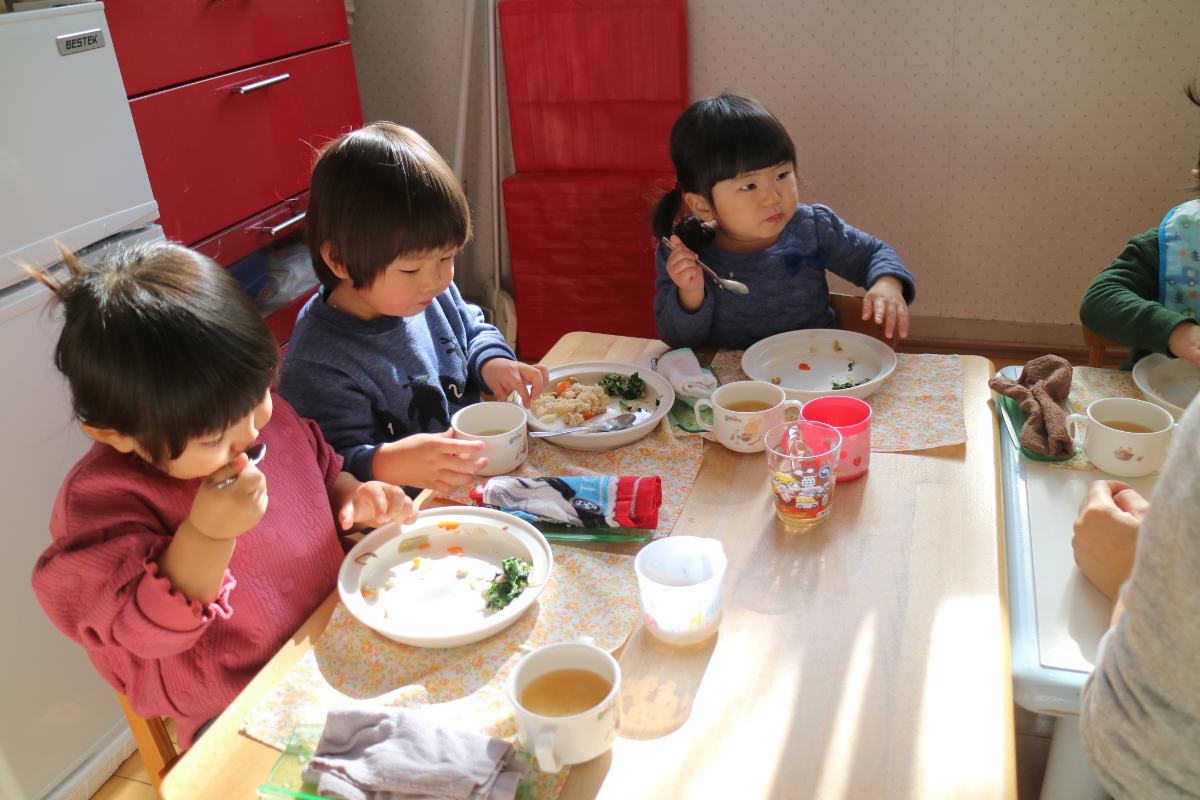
(1140, 709)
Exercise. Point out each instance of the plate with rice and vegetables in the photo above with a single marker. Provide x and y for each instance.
(455, 576)
(591, 392)
(808, 364)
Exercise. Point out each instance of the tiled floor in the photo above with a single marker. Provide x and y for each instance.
(1033, 743)
(131, 781)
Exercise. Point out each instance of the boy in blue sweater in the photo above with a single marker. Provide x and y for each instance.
(385, 354)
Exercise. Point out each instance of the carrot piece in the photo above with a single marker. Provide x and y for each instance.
(449, 526)
(425, 546)
(458, 551)
(805, 367)
(562, 387)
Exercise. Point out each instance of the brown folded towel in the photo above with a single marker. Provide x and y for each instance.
(1042, 393)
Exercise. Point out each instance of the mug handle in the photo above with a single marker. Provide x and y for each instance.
(696, 412)
(1073, 422)
(544, 749)
(796, 404)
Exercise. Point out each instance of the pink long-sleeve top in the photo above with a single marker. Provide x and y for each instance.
(99, 583)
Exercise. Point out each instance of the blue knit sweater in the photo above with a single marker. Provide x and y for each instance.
(788, 288)
(369, 382)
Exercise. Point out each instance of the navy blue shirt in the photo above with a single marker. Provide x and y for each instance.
(369, 382)
(788, 288)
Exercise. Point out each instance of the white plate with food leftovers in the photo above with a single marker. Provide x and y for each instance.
(1169, 382)
(591, 392)
(817, 363)
(455, 576)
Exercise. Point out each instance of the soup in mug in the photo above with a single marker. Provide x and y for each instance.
(565, 692)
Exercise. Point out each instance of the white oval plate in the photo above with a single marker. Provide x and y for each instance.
(654, 406)
(429, 605)
(828, 354)
(1169, 382)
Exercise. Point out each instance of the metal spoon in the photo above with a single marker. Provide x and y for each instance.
(733, 287)
(615, 424)
(255, 453)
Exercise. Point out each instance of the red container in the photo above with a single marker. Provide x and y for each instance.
(594, 85)
(161, 44)
(216, 157)
(582, 257)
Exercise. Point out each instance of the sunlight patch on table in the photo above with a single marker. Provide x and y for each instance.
(837, 767)
(966, 635)
(746, 738)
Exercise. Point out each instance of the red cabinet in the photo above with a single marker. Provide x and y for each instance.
(162, 43)
(219, 150)
(230, 100)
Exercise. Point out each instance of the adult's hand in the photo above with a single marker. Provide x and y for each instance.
(1106, 532)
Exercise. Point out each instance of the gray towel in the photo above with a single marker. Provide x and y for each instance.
(399, 754)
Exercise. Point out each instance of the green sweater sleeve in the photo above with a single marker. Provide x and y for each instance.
(1122, 302)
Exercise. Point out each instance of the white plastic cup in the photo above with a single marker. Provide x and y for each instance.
(559, 741)
(681, 581)
(501, 428)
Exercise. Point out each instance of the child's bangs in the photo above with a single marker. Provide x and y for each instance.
(191, 392)
(431, 224)
(748, 145)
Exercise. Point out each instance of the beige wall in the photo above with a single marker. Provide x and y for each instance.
(1006, 149)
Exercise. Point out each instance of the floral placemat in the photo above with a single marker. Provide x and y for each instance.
(672, 455)
(589, 593)
(1089, 384)
(918, 407)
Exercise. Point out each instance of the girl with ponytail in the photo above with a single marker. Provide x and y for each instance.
(735, 207)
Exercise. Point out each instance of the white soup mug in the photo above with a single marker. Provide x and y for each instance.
(501, 428)
(743, 411)
(1123, 436)
(561, 740)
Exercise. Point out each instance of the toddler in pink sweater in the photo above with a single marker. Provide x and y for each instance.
(169, 563)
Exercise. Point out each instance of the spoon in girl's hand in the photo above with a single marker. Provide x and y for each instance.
(731, 286)
(255, 453)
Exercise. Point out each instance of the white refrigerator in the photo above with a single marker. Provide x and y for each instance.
(71, 171)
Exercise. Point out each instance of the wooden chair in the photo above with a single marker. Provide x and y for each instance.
(1096, 345)
(153, 740)
(849, 311)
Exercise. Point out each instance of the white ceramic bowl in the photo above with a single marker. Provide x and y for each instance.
(429, 605)
(654, 406)
(828, 355)
(1169, 382)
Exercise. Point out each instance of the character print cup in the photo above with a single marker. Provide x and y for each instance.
(743, 411)
(680, 579)
(501, 428)
(1123, 436)
(802, 457)
(565, 696)
(852, 418)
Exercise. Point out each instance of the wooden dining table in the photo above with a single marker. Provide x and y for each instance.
(866, 657)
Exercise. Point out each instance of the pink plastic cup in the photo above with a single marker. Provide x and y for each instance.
(852, 418)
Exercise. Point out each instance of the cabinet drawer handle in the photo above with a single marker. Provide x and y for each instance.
(254, 87)
(283, 226)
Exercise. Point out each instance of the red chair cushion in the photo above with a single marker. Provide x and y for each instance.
(582, 256)
(594, 85)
